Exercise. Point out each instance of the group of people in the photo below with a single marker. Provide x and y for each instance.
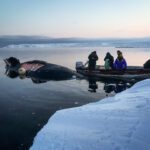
(119, 64)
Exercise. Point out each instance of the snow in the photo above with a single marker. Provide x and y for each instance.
(121, 122)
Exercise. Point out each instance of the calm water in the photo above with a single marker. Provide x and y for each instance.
(26, 107)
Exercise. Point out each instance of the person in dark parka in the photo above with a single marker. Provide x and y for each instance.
(92, 60)
(147, 64)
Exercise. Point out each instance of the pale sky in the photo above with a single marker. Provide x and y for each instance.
(75, 18)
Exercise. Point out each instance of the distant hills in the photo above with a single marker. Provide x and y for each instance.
(6, 41)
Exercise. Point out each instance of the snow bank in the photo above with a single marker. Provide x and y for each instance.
(118, 123)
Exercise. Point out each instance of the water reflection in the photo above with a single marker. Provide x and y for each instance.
(117, 88)
(93, 86)
(110, 86)
(14, 74)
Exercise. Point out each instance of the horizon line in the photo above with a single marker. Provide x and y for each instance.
(72, 37)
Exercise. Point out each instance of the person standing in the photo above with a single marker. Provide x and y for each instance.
(109, 61)
(120, 62)
(92, 60)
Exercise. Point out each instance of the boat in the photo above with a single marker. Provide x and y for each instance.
(131, 73)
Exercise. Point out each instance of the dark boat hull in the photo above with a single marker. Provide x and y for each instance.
(138, 74)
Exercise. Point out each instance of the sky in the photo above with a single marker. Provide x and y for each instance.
(76, 18)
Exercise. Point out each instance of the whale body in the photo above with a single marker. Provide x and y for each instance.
(38, 69)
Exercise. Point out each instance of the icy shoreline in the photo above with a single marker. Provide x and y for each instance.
(120, 122)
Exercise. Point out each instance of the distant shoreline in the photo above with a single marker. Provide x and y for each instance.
(6, 41)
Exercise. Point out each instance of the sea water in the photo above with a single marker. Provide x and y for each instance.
(25, 107)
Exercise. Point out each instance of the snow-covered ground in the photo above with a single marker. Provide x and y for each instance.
(121, 122)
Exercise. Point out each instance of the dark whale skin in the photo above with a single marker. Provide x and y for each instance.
(38, 70)
(51, 71)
